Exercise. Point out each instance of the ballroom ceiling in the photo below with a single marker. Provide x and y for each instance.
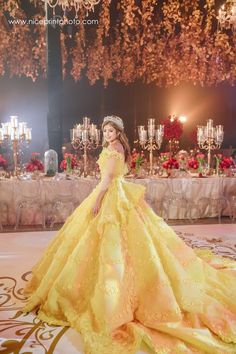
(166, 42)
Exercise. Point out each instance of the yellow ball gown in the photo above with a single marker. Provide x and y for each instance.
(124, 278)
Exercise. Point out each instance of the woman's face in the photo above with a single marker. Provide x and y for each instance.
(109, 133)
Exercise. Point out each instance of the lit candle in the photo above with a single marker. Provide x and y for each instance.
(22, 128)
(98, 136)
(143, 136)
(72, 134)
(6, 129)
(78, 131)
(219, 133)
(209, 127)
(92, 130)
(14, 121)
(14, 134)
(159, 133)
(200, 136)
(85, 135)
(151, 128)
(86, 122)
(28, 134)
(151, 122)
(140, 129)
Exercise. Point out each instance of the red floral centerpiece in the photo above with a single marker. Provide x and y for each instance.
(226, 162)
(170, 164)
(69, 162)
(193, 163)
(3, 162)
(173, 129)
(137, 158)
(34, 164)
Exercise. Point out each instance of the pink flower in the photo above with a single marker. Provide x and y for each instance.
(200, 156)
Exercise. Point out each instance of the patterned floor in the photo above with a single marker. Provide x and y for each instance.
(25, 334)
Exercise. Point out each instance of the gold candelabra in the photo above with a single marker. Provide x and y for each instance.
(85, 136)
(151, 139)
(15, 132)
(210, 138)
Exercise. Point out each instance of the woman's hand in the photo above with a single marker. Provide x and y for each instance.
(97, 206)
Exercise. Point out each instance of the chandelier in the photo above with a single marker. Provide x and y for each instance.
(227, 15)
(76, 4)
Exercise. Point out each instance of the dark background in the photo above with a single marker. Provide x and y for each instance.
(135, 103)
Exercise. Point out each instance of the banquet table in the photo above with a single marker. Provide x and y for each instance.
(29, 199)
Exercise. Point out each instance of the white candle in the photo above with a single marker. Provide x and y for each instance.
(151, 130)
(78, 131)
(14, 121)
(144, 135)
(85, 135)
(6, 129)
(92, 129)
(29, 134)
(98, 136)
(14, 134)
(151, 122)
(86, 121)
(140, 129)
(1, 134)
(22, 128)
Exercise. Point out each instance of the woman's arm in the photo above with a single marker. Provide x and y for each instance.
(105, 183)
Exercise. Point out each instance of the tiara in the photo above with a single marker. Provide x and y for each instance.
(117, 120)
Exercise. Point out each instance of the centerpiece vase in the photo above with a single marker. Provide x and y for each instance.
(68, 166)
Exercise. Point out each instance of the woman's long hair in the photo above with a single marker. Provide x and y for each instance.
(122, 138)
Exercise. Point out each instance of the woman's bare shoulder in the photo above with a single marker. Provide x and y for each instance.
(118, 147)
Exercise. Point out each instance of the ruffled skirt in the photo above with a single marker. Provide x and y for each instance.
(124, 277)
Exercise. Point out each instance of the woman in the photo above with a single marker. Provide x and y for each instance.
(118, 274)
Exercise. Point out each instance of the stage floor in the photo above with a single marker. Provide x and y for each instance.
(19, 251)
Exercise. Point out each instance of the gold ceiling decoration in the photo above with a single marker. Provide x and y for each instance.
(227, 15)
(165, 43)
(89, 5)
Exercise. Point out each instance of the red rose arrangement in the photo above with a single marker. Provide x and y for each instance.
(226, 162)
(170, 164)
(137, 158)
(173, 128)
(69, 162)
(193, 163)
(3, 162)
(34, 164)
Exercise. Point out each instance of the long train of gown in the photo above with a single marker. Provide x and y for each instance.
(124, 277)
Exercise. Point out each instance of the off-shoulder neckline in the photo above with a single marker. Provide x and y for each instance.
(115, 151)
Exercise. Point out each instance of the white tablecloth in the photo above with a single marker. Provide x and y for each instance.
(72, 192)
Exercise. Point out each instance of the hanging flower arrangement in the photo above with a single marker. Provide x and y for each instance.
(155, 42)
